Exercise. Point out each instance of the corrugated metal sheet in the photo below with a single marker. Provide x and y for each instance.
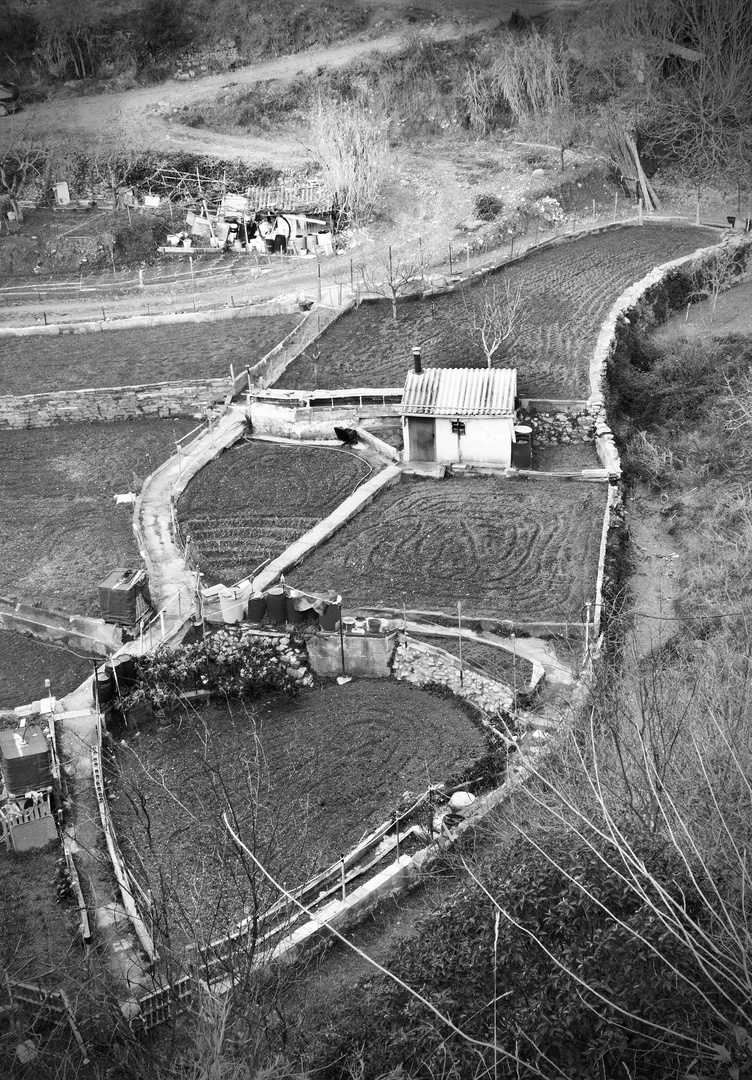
(460, 392)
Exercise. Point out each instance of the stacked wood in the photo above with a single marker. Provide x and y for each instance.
(626, 161)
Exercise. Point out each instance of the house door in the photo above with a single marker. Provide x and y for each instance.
(422, 439)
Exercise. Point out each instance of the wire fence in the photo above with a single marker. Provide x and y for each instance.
(341, 277)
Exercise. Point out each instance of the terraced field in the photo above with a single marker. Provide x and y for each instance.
(62, 531)
(26, 663)
(306, 777)
(253, 501)
(506, 549)
(127, 357)
(569, 290)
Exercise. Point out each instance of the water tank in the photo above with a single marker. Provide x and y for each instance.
(118, 594)
(25, 759)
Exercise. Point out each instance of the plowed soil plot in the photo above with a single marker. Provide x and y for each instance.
(257, 498)
(26, 663)
(127, 357)
(62, 531)
(506, 549)
(318, 772)
(569, 290)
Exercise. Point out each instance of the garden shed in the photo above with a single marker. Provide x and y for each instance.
(459, 414)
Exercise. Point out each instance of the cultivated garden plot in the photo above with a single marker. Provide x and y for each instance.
(40, 942)
(305, 778)
(257, 498)
(569, 290)
(565, 457)
(507, 549)
(128, 357)
(26, 663)
(63, 531)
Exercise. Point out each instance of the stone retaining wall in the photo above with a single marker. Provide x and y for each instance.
(639, 303)
(111, 403)
(418, 663)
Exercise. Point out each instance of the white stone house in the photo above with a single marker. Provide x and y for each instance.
(459, 415)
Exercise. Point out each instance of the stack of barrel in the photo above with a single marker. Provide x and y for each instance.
(278, 606)
(114, 679)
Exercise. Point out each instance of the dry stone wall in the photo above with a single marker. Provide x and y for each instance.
(418, 663)
(103, 404)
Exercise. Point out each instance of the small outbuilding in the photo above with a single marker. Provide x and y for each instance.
(459, 414)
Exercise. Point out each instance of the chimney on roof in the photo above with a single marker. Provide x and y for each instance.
(417, 366)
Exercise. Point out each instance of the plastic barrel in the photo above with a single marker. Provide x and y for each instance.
(522, 448)
(256, 607)
(329, 617)
(276, 607)
(126, 670)
(231, 605)
(103, 690)
(293, 615)
(311, 242)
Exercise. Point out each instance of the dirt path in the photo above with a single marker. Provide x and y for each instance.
(653, 580)
(145, 113)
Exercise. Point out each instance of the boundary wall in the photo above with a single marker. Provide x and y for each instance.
(638, 305)
(78, 631)
(111, 403)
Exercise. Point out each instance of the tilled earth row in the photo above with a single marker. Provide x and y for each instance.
(568, 290)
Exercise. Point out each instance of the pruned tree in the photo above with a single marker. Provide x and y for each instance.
(497, 317)
(391, 274)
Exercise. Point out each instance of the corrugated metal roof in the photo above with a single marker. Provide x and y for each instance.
(460, 392)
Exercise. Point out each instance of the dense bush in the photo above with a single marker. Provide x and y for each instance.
(163, 27)
(539, 960)
(488, 207)
(231, 662)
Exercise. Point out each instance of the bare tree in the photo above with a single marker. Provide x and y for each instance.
(23, 161)
(716, 276)
(706, 90)
(392, 274)
(497, 317)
